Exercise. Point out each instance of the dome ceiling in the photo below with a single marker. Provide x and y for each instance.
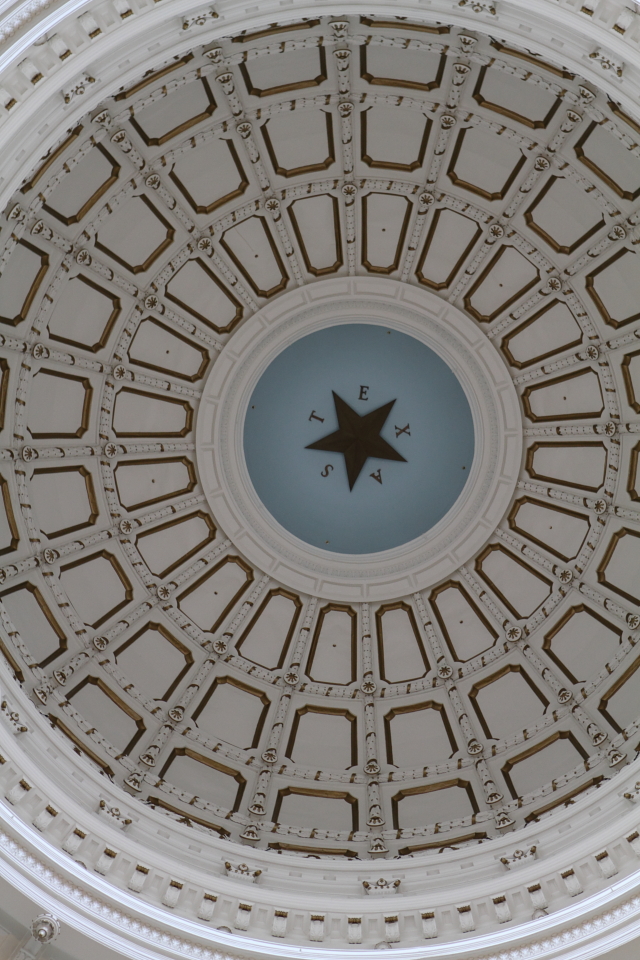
(137, 252)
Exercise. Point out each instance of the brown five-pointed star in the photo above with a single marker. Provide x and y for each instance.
(358, 438)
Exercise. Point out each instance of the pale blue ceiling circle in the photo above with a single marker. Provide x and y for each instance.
(315, 503)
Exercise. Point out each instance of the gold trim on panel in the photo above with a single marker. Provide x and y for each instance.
(106, 333)
(528, 391)
(565, 483)
(245, 37)
(153, 256)
(172, 523)
(11, 519)
(241, 267)
(566, 799)
(427, 245)
(313, 852)
(633, 473)
(414, 708)
(380, 612)
(619, 112)
(433, 600)
(478, 567)
(95, 196)
(505, 112)
(324, 711)
(482, 318)
(388, 82)
(442, 844)
(603, 706)
(184, 650)
(186, 817)
(191, 471)
(608, 554)
(599, 172)
(531, 58)
(286, 87)
(401, 239)
(562, 622)
(178, 336)
(559, 248)
(50, 158)
(277, 592)
(634, 403)
(119, 702)
(194, 313)
(239, 685)
(13, 663)
(49, 617)
(182, 127)
(521, 364)
(338, 262)
(536, 748)
(151, 76)
(328, 794)
(30, 297)
(513, 513)
(309, 167)
(591, 290)
(400, 23)
(249, 578)
(339, 608)
(498, 675)
(186, 406)
(209, 208)
(4, 390)
(208, 762)
(387, 164)
(86, 405)
(121, 575)
(499, 195)
(80, 746)
(431, 788)
(91, 497)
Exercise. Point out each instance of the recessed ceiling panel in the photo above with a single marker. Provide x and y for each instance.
(506, 701)
(63, 499)
(20, 281)
(508, 95)
(84, 315)
(192, 175)
(484, 165)
(141, 483)
(83, 186)
(553, 325)
(182, 108)
(579, 463)
(611, 160)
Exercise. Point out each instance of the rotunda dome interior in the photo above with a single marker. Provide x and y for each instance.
(216, 673)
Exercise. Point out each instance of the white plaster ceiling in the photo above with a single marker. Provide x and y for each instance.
(142, 244)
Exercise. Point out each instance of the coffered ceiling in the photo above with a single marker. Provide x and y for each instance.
(136, 250)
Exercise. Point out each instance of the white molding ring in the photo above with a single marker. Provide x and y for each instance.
(457, 536)
(140, 930)
(127, 48)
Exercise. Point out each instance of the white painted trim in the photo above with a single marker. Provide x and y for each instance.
(456, 537)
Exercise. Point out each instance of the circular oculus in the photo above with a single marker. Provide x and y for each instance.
(236, 468)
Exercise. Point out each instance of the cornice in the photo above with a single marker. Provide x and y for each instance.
(126, 48)
(71, 885)
(606, 920)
